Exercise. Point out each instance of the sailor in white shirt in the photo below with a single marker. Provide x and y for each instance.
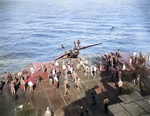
(48, 112)
(130, 61)
(124, 67)
(30, 86)
(92, 70)
(19, 74)
(95, 69)
(56, 64)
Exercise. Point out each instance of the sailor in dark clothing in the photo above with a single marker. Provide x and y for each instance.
(39, 79)
(83, 111)
(117, 73)
(116, 59)
(112, 77)
(1, 86)
(120, 83)
(107, 66)
(105, 57)
(93, 93)
(118, 53)
(106, 102)
(51, 78)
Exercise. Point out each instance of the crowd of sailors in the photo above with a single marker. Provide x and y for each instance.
(16, 81)
(70, 69)
(132, 64)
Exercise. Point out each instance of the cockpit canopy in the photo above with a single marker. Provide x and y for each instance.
(74, 52)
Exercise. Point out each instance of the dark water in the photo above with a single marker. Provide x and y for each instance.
(33, 30)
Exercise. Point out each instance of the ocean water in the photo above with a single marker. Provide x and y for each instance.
(33, 30)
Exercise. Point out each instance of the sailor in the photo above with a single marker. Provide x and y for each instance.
(105, 57)
(74, 76)
(55, 81)
(78, 83)
(30, 85)
(111, 60)
(82, 64)
(12, 87)
(124, 67)
(69, 62)
(56, 64)
(117, 72)
(6, 77)
(130, 61)
(88, 71)
(116, 60)
(55, 78)
(134, 75)
(120, 83)
(112, 28)
(22, 84)
(24, 71)
(69, 71)
(98, 70)
(58, 71)
(78, 67)
(138, 79)
(19, 74)
(92, 71)
(48, 112)
(67, 86)
(66, 74)
(134, 54)
(78, 59)
(120, 74)
(71, 68)
(86, 62)
(93, 93)
(107, 66)
(51, 67)
(38, 79)
(53, 72)
(118, 53)
(95, 69)
(44, 67)
(1, 86)
(106, 102)
(32, 70)
(82, 111)
(100, 66)
(63, 66)
(134, 57)
(50, 78)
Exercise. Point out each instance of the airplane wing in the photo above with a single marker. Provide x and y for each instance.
(88, 46)
(62, 55)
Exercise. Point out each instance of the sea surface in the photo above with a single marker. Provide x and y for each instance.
(33, 30)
